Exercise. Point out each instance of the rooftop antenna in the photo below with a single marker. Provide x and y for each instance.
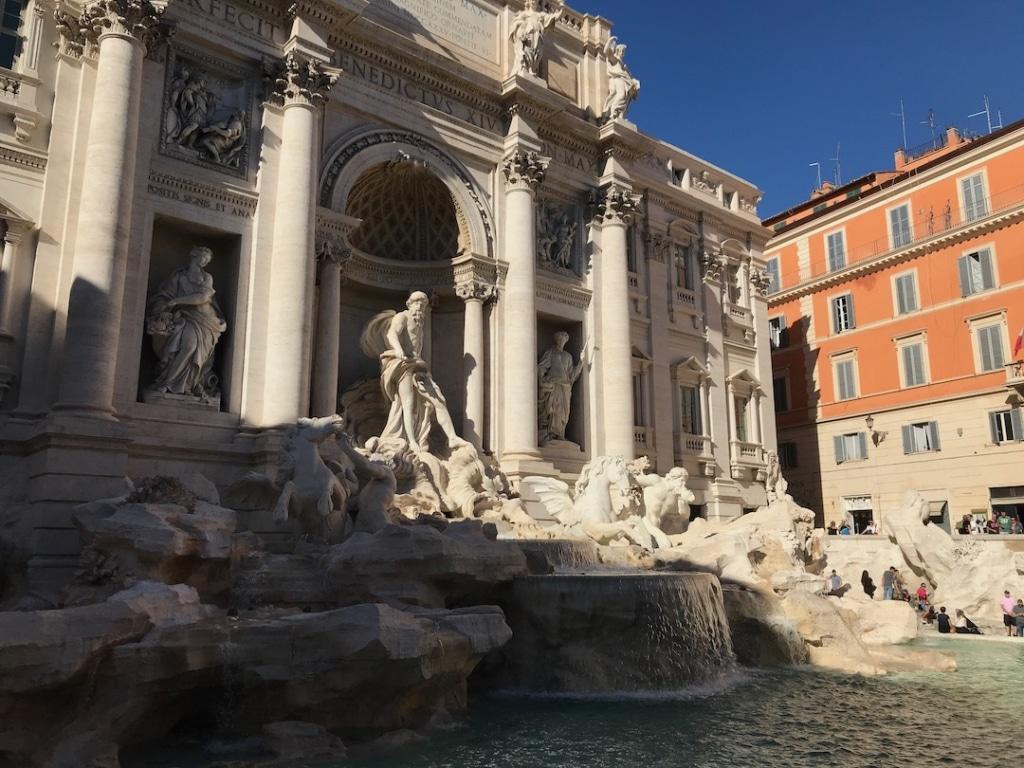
(902, 115)
(987, 112)
(930, 122)
(818, 167)
(838, 167)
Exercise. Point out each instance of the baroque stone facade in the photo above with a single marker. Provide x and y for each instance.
(479, 155)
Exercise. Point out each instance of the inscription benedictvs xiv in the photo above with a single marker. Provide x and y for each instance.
(466, 23)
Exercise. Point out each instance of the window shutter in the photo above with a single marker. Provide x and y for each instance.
(835, 316)
(908, 438)
(967, 185)
(837, 441)
(933, 426)
(849, 305)
(862, 441)
(965, 275)
(987, 275)
(1018, 426)
(985, 344)
(908, 367)
(993, 426)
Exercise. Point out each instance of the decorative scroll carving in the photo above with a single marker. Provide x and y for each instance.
(524, 169)
(712, 266)
(750, 204)
(659, 247)
(301, 80)
(72, 37)
(761, 281)
(474, 290)
(556, 238)
(616, 204)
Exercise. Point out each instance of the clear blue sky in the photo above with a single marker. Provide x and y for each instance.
(762, 88)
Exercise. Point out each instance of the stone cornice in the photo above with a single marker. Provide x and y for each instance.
(219, 192)
(560, 292)
(25, 159)
(867, 266)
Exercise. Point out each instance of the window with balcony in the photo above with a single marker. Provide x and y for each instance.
(975, 202)
(976, 272)
(780, 390)
(922, 437)
(905, 293)
(988, 344)
(1006, 426)
(842, 313)
(852, 446)
(778, 333)
(10, 23)
(899, 226)
(740, 413)
(836, 251)
(846, 378)
(690, 420)
(912, 363)
(684, 267)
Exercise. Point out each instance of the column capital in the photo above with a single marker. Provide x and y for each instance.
(761, 281)
(524, 169)
(616, 204)
(136, 19)
(713, 266)
(298, 80)
(475, 290)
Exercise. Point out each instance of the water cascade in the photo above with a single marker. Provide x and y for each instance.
(615, 632)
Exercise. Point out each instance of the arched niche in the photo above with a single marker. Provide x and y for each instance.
(371, 157)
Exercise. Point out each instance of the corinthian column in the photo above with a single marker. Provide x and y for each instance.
(524, 171)
(474, 294)
(121, 29)
(328, 329)
(302, 86)
(616, 208)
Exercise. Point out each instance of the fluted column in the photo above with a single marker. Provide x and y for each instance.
(616, 209)
(328, 329)
(302, 86)
(524, 171)
(121, 29)
(474, 294)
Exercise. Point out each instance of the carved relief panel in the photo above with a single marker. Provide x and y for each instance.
(559, 242)
(207, 111)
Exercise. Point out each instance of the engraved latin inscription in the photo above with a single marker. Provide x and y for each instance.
(463, 22)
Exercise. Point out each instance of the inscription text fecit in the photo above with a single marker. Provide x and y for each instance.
(462, 22)
(237, 17)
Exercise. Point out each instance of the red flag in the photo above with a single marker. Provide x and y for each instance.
(1020, 343)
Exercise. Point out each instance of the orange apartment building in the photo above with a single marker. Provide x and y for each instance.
(896, 306)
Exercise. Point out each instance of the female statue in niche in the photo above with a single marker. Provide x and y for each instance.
(556, 373)
(185, 323)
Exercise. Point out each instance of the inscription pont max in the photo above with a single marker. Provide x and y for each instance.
(464, 22)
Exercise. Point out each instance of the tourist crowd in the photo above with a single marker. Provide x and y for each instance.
(893, 588)
(999, 523)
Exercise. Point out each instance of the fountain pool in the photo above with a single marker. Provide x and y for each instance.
(786, 718)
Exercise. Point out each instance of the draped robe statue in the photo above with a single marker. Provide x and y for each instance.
(185, 323)
(396, 338)
(527, 35)
(556, 373)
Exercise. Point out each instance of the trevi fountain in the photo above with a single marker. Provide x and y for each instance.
(375, 393)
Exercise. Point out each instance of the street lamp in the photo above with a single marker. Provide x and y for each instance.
(876, 437)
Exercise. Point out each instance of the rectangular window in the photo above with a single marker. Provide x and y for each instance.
(1006, 426)
(836, 251)
(842, 313)
(684, 269)
(921, 438)
(906, 293)
(990, 347)
(912, 359)
(639, 401)
(740, 413)
(778, 333)
(781, 392)
(787, 455)
(850, 447)
(631, 259)
(846, 380)
(10, 23)
(899, 223)
(976, 273)
(774, 281)
(691, 421)
(975, 204)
